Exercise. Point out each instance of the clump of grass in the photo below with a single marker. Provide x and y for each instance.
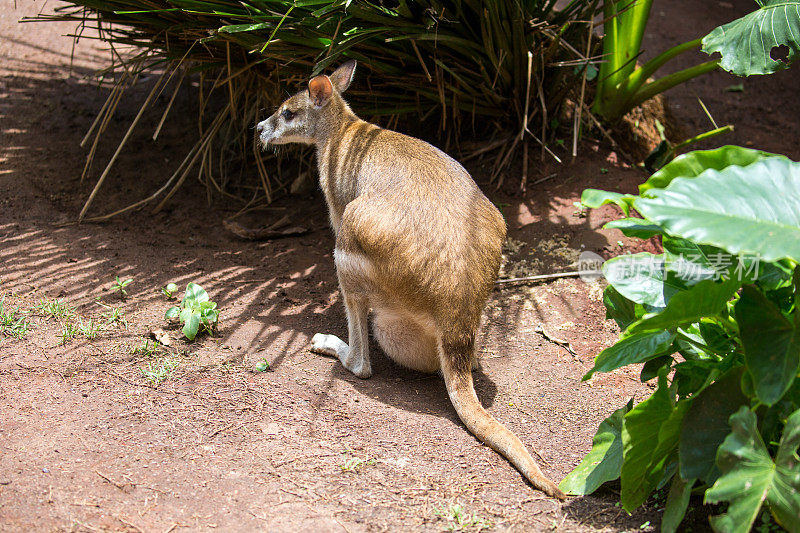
(69, 330)
(89, 329)
(147, 348)
(353, 464)
(502, 68)
(157, 371)
(114, 316)
(54, 308)
(13, 323)
(77, 326)
(458, 520)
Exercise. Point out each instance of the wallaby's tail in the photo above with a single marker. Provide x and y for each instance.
(456, 368)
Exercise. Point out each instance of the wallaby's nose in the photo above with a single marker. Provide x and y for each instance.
(260, 127)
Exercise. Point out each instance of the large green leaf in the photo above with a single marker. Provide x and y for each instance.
(192, 325)
(771, 345)
(746, 43)
(693, 262)
(603, 462)
(749, 476)
(650, 434)
(594, 198)
(693, 164)
(633, 349)
(744, 210)
(785, 505)
(707, 298)
(642, 278)
(635, 227)
(196, 293)
(677, 503)
(623, 311)
(706, 425)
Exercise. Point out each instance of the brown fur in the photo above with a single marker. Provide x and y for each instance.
(416, 241)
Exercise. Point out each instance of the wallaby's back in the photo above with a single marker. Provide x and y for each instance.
(416, 214)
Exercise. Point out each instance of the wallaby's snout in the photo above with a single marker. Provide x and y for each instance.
(268, 132)
(287, 125)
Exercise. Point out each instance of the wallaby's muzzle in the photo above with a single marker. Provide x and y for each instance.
(266, 131)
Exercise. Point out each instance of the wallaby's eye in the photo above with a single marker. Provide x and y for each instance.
(288, 115)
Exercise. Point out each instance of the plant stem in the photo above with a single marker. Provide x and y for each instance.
(639, 76)
(667, 82)
(704, 136)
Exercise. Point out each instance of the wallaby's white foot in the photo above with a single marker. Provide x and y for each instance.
(333, 346)
(327, 344)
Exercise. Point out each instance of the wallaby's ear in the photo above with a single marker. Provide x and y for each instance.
(320, 90)
(343, 75)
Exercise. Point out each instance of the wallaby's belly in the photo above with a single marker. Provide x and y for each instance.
(410, 341)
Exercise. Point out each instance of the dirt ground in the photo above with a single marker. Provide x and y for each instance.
(89, 443)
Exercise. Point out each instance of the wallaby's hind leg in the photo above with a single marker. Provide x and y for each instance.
(405, 341)
(354, 355)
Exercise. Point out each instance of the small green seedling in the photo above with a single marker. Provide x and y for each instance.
(120, 284)
(88, 329)
(170, 290)
(195, 310)
(72, 328)
(262, 366)
(69, 330)
(458, 520)
(352, 464)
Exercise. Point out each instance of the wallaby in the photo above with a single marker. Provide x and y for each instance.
(416, 242)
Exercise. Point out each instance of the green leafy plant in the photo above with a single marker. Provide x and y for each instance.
(195, 310)
(745, 45)
(13, 323)
(169, 290)
(715, 319)
(753, 44)
(120, 284)
(621, 84)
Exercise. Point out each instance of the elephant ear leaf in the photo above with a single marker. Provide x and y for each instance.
(764, 41)
(752, 210)
(749, 476)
